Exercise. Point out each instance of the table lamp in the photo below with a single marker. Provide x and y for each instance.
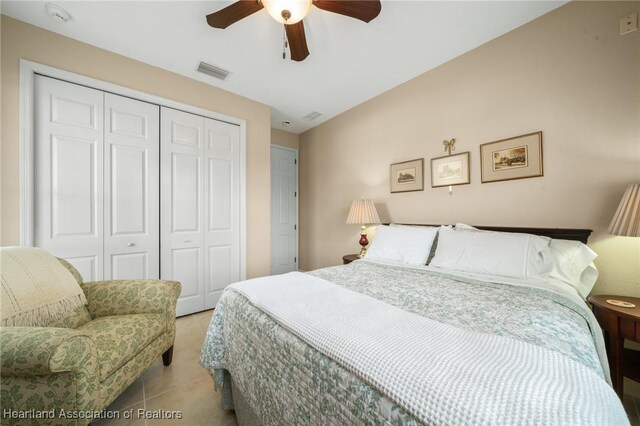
(626, 221)
(363, 212)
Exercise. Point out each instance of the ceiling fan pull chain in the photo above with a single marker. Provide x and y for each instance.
(284, 43)
(285, 15)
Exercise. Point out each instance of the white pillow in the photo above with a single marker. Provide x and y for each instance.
(506, 254)
(432, 252)
(404, 244)
(573, 264)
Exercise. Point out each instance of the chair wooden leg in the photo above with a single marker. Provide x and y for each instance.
(167, 356)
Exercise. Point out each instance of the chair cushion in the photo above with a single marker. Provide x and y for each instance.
(120, 338)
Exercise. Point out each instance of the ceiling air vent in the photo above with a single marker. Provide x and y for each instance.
(213, 71)
(312, 116)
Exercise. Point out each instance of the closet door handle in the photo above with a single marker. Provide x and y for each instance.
(187, 241)
(131, 244)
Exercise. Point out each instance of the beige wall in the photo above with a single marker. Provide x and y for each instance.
(280, 137)
(20, 40)
(568, 73)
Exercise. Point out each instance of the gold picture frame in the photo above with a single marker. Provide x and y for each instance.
(451, 170)
(519, 157)
(407, 176)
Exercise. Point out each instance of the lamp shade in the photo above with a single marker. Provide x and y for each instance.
(363, 211)
(626, 221)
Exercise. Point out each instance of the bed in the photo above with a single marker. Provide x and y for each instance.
(383, 341)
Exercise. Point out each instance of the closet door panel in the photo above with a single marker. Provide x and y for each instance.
(186, 266)
(219, 271)
(128, 194)
(125, 266)
(132, 189)
(182, 206)
(74, 193)
(68, 169)
(222, 233)
(185, 193)
(221, 182)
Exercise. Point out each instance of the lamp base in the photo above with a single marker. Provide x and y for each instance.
(363, 241)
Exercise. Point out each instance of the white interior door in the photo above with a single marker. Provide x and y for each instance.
(68, 145)
(132, 189)
(284, 210)
(222, 197)
(182, 206)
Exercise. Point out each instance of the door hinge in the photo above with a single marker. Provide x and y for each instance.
(295, 194)
(295, 260)
(295, 161)
(295, 227)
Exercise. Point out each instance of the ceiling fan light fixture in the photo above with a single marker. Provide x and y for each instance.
(295, 9)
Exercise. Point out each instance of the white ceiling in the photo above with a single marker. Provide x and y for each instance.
(350, 61)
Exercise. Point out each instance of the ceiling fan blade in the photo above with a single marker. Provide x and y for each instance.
(364, 10)
(297, 41)
(233, 13)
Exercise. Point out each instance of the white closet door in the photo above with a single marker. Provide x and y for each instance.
(200, 204)
(222, 192)
(68, 198)
(182, 204)
(132, 189)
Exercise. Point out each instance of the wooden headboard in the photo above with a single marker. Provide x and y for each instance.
(559, 233)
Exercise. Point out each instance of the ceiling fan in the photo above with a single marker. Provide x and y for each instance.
(290, 13)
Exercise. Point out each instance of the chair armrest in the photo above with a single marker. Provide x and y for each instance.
(124, 297)
(27, 351)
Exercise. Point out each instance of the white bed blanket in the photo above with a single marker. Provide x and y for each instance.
(439, 373)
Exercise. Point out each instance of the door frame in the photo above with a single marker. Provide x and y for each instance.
(297, 201)
(28, 70)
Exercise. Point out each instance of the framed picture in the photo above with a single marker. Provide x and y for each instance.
(450, 170)
(519, 157)
(407, 176)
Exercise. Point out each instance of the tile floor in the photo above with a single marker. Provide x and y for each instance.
(187, 387)
(183, 386)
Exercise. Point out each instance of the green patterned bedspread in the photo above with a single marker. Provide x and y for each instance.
(285, 381)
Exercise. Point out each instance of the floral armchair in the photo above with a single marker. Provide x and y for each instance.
(72, 369)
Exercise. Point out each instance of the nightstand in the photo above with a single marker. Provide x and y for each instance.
(619, 324)
(348, 258)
